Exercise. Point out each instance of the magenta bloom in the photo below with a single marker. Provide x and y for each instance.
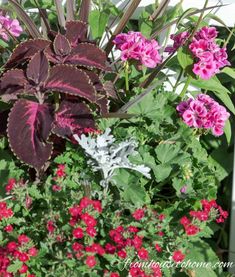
(205, 68)
(207, 33)
(8, 25)
(204, 112)
(210, 57)
(134, 46)
(195, 114)
(179, 40)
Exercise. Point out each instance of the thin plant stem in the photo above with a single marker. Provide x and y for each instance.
(186, 85)
(229, 37)
(199, 20)
(126, 66)
(178, 80)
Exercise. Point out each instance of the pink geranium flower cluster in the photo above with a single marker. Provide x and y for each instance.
(211, 58)
(134, 46)
(204, 112)
(9, 26)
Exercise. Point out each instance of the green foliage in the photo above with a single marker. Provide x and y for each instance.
(218, 89)
(185, 57)
(98, 21)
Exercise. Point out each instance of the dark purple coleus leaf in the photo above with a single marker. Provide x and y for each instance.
(71, 118)
(38, 69)
(29, 127)
(60, 78)
(13, 83)
(88, 55)
(95, 80)
(84, 54)
(101, 96)
(25, 51)
(70, 80)
(110, 89)
(61, 46)
(76, 32)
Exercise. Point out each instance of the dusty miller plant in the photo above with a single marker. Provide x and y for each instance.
(106, 155)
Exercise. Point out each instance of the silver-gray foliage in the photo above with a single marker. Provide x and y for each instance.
(106, 155)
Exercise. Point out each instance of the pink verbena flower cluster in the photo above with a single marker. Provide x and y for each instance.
(179, 40)
(211, 58)
(9, 26)
(134, 46)
(204, 112)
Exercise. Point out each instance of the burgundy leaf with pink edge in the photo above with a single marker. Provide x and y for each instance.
(103, 102)
(72, 118)
(70, 80)
(13, 82)
(88, 55)
(110, 89)
(76, 32)
(101, 96)
(29, 126)
(61, 45)
(52, 57)
(25, 51)
(96, 82)
(38, 68)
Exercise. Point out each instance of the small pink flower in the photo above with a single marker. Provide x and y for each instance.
(9, 228)
(208, 33)
(179, 40)
(178, 256)
(90, 261)
(198, 47)
(56, 188)
(205, 69)
(193, 117)
(138, 214)
(8, 25)
(50, 226)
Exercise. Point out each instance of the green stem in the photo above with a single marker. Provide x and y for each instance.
(188, 81)
(229, 37)
(199, 20)
(126, 65)
(178, 80)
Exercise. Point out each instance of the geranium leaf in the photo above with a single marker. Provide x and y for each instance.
(25, 51)
(13, 82)
(76, 32)
(38, 68)
(61, 45)
(28, 130)
(86, 54)
(72, 118)
(67, 79)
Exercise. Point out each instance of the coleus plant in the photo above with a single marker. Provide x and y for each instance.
(40, 69)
